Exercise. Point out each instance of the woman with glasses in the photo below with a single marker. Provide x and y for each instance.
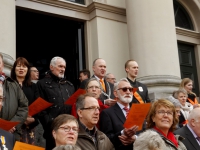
(65, 130)
(162, 119)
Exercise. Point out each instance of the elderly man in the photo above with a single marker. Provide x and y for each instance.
(141, 95)
(55, 89)
(110, 78)
(191, 131)
(15, 106)
(99, 69)
(89, 137)
(113, 118)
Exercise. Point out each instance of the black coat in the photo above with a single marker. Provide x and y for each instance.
(105, 95)
(9, 139)
(111, 123)
(190, 142)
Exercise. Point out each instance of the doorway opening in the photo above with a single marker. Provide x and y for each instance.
(40, 37)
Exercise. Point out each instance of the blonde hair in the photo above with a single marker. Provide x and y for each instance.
(184, 82)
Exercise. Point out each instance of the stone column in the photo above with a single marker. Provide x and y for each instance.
(153, 44)
(7, 33)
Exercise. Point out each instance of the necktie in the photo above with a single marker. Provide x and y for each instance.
(102, 84)
(127, 110)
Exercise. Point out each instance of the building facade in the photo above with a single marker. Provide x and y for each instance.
(162, 36)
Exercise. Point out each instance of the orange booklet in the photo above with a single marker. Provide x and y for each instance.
(24, 146)
(73, 98)
(7, 125)
(137, 115)
(37, 106)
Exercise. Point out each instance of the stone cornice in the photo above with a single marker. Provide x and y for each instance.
(83, 8)
(187, 33)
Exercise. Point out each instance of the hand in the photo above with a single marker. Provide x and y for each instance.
(12, 130)
(130, 131)
(126, 140)
(29, 120)
(110, 102)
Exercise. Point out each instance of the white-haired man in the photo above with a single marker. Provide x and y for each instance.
(191, 131)
(113, 118)
(55, 89)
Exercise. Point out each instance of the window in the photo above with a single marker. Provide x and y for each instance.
(77, 1)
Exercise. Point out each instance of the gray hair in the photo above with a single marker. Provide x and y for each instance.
(106, 76)
(67, 147)
(149, 140)
(176, 93)
(116, 84)
(194, 114)
(54, 60)
(174, 101)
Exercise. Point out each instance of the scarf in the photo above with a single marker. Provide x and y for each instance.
(170, 136)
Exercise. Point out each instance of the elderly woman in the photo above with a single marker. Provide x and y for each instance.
(67, 147)
(65, 129)
(187, 84)
(162, 119)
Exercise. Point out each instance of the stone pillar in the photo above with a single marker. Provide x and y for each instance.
(7, 33)
(153, 44)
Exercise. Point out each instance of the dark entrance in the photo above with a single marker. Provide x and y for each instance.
(40, 37)
(188, 64)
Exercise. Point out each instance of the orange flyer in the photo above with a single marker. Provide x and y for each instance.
(137, 115)
(73, 98)
(24, 146)
(38, 105)
(7, 125)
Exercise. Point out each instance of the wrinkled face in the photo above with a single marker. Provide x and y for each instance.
(99, 68)
(182, 98)
(132, 69)
(111, 78)
(34, 73)
(21, 70)
(82, 77)
(63, 137)
(89, 116)
(59, 69)
(1, 65)
(163, 118)
(94, 88)
(188, 87)
(123, 93)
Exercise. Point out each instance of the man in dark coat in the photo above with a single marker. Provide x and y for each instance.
(99, 69)
(113, 118)
(55, 89)
(141, 95)
(191, 131)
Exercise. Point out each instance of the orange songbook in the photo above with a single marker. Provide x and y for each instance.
(7, 125)
(37, 106)
(137, 115)
(24, 146)
(73, 98)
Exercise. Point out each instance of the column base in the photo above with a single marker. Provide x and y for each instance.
(8, 63)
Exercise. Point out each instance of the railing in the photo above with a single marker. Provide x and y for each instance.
(77, 1)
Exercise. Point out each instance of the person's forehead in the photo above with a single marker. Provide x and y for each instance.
(93, 83)
(60, 62)
(33, 68)
(133, 64)
(124, 84)
(100, 62)
(91, 101)
(111, 76)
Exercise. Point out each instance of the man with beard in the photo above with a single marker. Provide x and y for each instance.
(55, 89)
(113, 118)
(141, 95)
(99, 69)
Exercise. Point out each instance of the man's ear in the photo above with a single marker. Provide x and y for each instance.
(126, 69)
(79, 112)
(115, 93)
(192, 122)
(51, 67)
(54, 134)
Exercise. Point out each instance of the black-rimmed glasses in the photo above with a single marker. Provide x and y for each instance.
(68, 128)
(91, 108)
(126, 88)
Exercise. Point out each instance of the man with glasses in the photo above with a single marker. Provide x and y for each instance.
(141, 95)
(191, 131)
(110, 78)
(89, 137)
(113, 118)
(34, 73)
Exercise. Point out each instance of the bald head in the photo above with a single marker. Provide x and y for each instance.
(194, 120)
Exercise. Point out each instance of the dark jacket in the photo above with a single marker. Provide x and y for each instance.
(9, 140)
(15, 106)
(105, 95)
(85, 141)
(56, 91)
(142, 91)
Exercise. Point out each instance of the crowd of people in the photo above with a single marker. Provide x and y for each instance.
(96, 120)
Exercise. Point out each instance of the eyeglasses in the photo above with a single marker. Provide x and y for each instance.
(162, 112)
(112, 79)
(126, 88)
(92, 87)
(68, 128)
(35, 70)
(178, 112)
(93, 108)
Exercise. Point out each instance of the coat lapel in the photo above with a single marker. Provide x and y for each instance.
(191, 138)
(118, 112)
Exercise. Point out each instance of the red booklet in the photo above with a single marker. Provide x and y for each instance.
(37, 106)
(7, 125)
(73, 98)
